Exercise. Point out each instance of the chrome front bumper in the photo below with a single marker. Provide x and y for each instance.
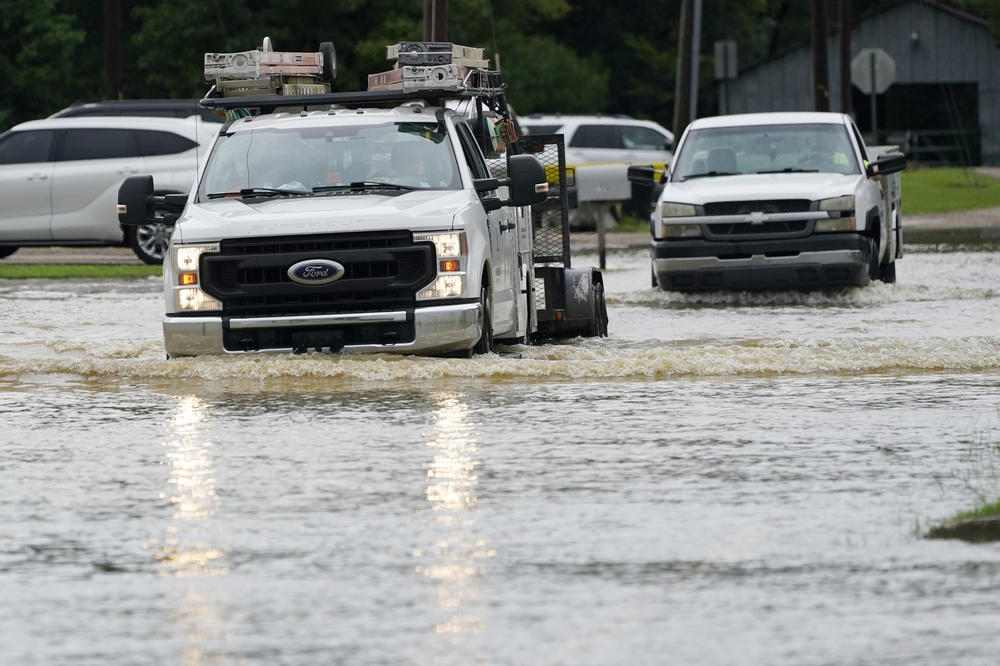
(438, 330)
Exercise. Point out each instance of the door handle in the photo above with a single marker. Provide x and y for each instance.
(127, 172)
(38, 176)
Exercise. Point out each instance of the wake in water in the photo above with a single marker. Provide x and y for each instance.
(581, 359)
(876, 293)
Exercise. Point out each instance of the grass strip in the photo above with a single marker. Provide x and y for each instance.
(984, 511)
(947, 189)
(67, 271)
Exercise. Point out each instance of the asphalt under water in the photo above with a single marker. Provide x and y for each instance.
(727, 478)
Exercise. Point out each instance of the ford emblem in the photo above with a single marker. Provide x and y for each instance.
(316, 271)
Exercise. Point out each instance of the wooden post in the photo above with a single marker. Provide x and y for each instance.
(821, 76)
(844, 58)
(435, 20)
(112, 49)
(682, 89)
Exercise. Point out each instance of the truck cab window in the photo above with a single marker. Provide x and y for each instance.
(472, 155)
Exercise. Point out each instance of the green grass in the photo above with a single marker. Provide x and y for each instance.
(65, 271)
(947, 189)
(984, 511)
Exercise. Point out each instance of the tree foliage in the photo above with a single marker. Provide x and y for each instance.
(557, 55)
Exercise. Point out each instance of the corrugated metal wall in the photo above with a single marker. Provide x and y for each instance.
(947, 49)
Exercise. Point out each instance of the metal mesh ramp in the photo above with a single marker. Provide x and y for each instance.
(550, 219)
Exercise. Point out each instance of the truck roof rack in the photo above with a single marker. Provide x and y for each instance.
(264, 80)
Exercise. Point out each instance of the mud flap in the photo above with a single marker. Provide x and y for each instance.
(574, 302)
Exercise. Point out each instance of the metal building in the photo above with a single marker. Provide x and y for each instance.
(945, 102)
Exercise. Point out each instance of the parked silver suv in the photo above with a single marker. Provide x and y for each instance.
(59, 178)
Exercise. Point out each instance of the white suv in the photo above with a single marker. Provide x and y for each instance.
(59, 178)
(600, 149)
(591, 139)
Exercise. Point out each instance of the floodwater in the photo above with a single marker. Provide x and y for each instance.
(725, 479)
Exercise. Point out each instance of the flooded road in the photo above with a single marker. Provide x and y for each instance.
(736, 478)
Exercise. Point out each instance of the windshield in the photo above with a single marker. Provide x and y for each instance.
(721, 151)
(326, 160)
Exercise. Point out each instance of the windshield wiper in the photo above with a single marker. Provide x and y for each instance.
(709, 174)
(259, 192)
(791, 170)
(363, 185)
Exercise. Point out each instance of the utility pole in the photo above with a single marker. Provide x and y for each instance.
(435, 20)
(821, 76)
(682, 90)
(844, 55)
(695, 57)
(112, 49)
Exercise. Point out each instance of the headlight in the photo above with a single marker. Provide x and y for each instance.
(452, 256)
(841, 214)
(680, 231)
(836, 224)
(844, 203)
(445, 286)
(188, 296)
(669, 209)
(193, 299)
(446, 245)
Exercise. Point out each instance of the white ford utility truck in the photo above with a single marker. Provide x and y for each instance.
(776, 201)
(367, 221)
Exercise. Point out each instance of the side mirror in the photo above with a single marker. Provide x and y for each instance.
(491, 203)
(886, 164)
(485, 184)
(138, 206)
(642, 175)
(528, 184)
(133, 198)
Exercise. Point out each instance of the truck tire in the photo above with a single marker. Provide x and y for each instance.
(874, 272)
(485, 344)
(887, 272)
(598, 327)
(7, 250)
(149, 242)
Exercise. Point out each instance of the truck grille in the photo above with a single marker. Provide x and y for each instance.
(747, 207)
(382, 271)
(744, 230)
(774, 229)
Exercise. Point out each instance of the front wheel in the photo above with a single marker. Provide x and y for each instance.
(874, 268)
(888, 272)
(485, 344)
(149, 242)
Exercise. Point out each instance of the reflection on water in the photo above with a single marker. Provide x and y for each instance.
(454, 559)
(185, 551)
(186, 548)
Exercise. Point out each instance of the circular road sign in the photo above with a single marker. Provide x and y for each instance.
(873, 69)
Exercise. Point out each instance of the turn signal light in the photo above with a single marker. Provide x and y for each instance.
(450, 266)
(186, 279)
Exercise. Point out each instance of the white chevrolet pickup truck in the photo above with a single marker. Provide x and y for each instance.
(776, 201)
(365, 221)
